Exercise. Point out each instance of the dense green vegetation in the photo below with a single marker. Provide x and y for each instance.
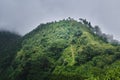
(9, 45)
(65, 50)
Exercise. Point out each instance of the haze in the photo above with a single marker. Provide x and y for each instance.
(24, 15)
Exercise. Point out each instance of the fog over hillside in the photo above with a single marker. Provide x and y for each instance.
(24, 15)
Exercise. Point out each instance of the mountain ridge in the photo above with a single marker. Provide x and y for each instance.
(66, 49)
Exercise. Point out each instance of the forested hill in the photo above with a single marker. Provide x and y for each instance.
(66, 50)
(9, 44)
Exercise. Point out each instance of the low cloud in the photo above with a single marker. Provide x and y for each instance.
(24, 15)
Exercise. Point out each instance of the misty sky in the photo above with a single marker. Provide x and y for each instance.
(24, 15)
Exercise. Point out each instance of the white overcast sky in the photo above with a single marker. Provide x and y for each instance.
(24, 15)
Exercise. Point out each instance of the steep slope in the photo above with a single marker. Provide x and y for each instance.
(8, 48)
(64, 50)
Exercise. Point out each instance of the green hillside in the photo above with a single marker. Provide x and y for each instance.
(9, 45)
(65, 50)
